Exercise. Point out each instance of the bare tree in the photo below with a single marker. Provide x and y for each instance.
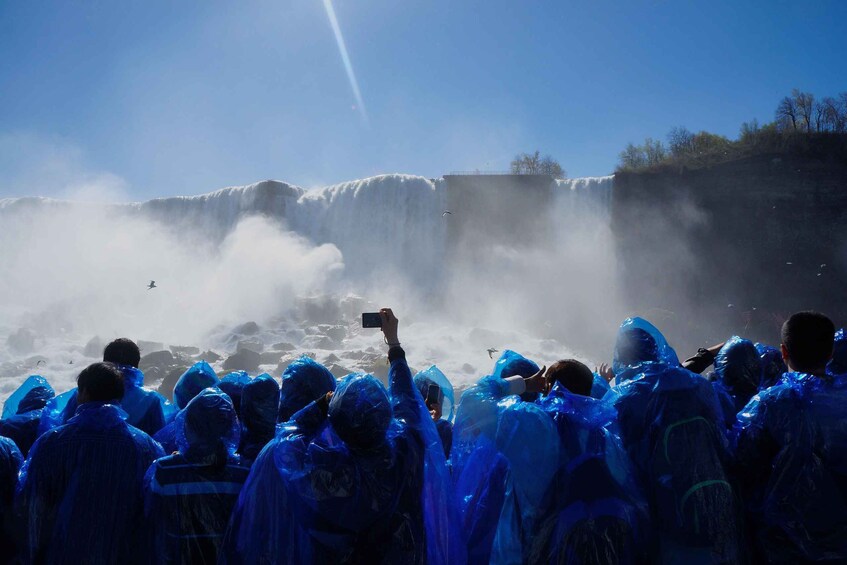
(654, 151)
(680, 142)
(786, 114)
(534, 164)
(804, 102)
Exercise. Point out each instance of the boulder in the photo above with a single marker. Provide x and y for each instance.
(166, 387)
(184, 350)
(319, 342)
(283, 346)
(244, 360)
(248, 328)
(253, 345)
(270, 357)
(21, 341)
(336, 333)
(94, 348)
(163, 358)
(209, 356)
(149, 346)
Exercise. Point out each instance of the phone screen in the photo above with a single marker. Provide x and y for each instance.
(371, 320)
(433, 394)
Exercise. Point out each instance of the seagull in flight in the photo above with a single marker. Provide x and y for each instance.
(152, 285)
(444, 215)
(491, 352)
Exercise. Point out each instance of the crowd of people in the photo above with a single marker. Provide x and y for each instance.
(648, 460)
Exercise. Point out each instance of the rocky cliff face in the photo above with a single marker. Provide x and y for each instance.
(738, 245)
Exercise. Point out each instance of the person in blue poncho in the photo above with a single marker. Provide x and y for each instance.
(80, 495)
(10, 463)
(671, 426)
(437, 393)
(198, 377)
(21, 425)
(594, 511)
(189, 495)
(773, 365)
(480, 472)
(233, 385)
(738, 373)
(790, 446)
(303, 381)
(357, 476)
(838, 364)
(259, 407)
(515, 368)
(146, 409)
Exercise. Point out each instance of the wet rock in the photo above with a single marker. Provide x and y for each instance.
(319, 342)
(94, 348)
(163, 358)
(283, 346)
(21, 341)
(336, 333)
(331, 358)
(319, 309)
(253, 345)
(184, 350)
(209, 356)
(468, 368)
(166, 387)
(149, 346)
(249, 328)
(338, 371)
(244, 360)
(270, 357)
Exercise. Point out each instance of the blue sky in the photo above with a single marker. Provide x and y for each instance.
(135, 99)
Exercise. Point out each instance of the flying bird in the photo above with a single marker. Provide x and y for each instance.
(152, 285)
(491, 352)
(446, 212)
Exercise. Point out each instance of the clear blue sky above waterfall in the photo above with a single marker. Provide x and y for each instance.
(132, 99)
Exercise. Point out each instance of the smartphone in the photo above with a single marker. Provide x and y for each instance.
(371, 320)
(433, 395)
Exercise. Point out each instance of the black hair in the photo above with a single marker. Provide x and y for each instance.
(101, 382)
(808, 337)
(573, 375)
(122, 351)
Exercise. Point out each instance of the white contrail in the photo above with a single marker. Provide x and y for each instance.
(348, 66)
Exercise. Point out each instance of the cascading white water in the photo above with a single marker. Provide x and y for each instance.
(73, 270)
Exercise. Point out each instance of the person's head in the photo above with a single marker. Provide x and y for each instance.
(207, 425)
(259, 405)
(635, 346)
(233, 385)
(807, 340)
(196, 378)
(303, 381)
(122, 351)
(360, 411)
(572, 375)
(738, 366)
(100, 382)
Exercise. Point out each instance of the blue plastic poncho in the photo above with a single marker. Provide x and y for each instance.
(433, 375)
(444, 426)
(53, 414)
(84, 477)
(738, 373)
(365, 482)
(189, 496)
(838, 364)
(790, 446)
(599, 387)
(259, 407)
(303, 381)
(595, 511)
(34, 393)
(233, 385)
(11, 460)
(527, 437)
(639, 344)
(22, 412)
(191, 382)
(198, 377)
(773, 365)
(146, 409)
(480, 471)
(672, 428)
(511, 363)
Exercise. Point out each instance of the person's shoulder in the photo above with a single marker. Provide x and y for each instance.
(8, 446)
